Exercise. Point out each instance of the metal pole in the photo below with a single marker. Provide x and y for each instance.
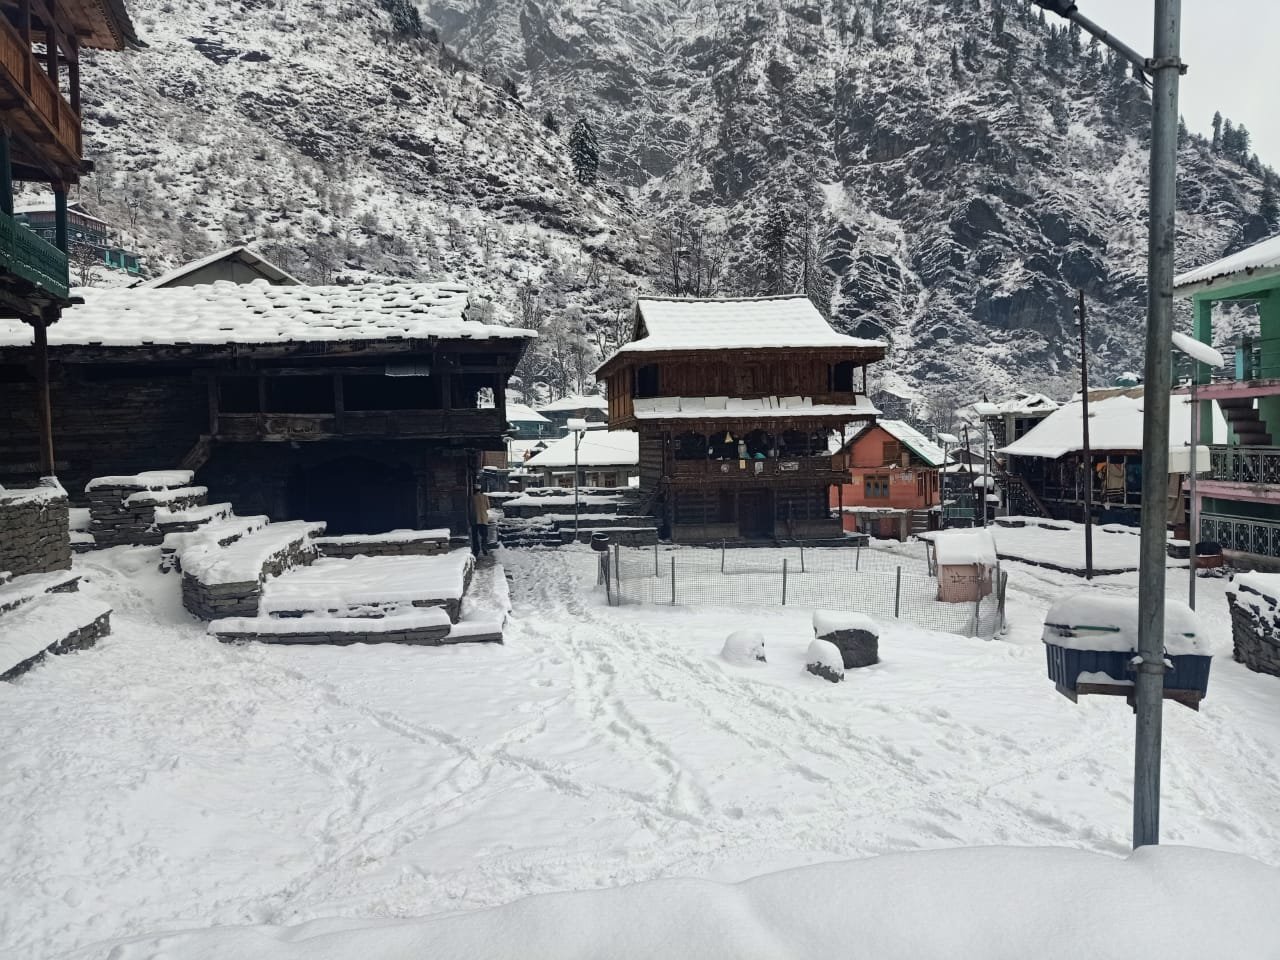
(577, 439)
(897, 594)
(986, 468)
(784, 581)
(1088, 453)
(1166, 68)
(673, 579)
(1193, 519)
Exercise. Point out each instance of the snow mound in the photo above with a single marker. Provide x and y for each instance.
(825, 660)
(1086, 621)
(1197, 350)
(147, 480)
(983, 903)
(744, 646)
(826, 622)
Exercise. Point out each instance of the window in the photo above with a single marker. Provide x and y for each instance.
(876, 486)
(892, 452)
(646, 381)
(841, 376)
(238, 394)
(691, 446)
(760, 446)
(374, 392)
(723, 446)
(299, 394)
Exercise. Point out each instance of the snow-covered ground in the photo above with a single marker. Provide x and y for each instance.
(164, 781)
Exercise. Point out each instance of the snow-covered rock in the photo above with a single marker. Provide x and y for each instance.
(855, 635)
(824, 660)
(829, 621)
(744, 646)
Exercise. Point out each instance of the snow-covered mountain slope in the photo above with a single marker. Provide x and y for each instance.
(343, 147)
(959, 167)
(943, 173)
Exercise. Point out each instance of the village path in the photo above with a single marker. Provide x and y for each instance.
(165, 781)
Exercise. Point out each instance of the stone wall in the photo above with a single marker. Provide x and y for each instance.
(1255, 629)
(371, 546)
(126, 515)
(435, 635)
(34, 532)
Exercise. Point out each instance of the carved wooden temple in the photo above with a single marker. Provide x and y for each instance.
(364, 406)
(734, 401)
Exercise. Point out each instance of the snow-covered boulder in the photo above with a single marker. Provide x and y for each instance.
(744, 646)
(824, 660)
(855, 635)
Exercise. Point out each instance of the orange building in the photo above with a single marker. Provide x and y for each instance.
(893, 490)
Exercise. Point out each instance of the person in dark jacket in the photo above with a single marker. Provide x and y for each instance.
(479, 522)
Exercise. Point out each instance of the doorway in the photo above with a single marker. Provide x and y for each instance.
(755, 514)
(355, 495)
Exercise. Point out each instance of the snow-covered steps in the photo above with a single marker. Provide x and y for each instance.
(429, 626)
(371, 586)
(123, 508)
(50, 623)
(628, 536)
(226, 581)
(186, 519)
(397, 543)
(15, 591)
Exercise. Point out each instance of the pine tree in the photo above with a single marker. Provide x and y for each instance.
(1269, 208)
(773, 244)
(955, 63)
(406, 22)
(1183, 135)
(550, 122)
(584, 151)
(1217, 132)
(1228, 138)
(1058, 111)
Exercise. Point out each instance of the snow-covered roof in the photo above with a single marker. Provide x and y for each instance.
(523, 413)
(260, 313)
(1019, 403)
(1252, 263)
(716, 408)
(919, 444)
(581, 401)
(243, 254)
(1196, 350)
(748, 323)
(599, 448)
(1115, 424)
(45, 203)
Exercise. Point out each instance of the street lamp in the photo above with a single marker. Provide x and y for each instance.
(577, 427)
(1164, 67)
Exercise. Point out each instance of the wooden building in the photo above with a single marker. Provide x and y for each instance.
(236, 265)
(604, 458)
(363, 406)
(734, 401)
(591, 407)
(893, 487)
(40, 142)
(84, 232)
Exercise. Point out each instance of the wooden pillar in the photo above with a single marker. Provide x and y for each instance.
(42, 386)
(339, 403)
(212, 388)
(73, 72)
(24, 29)
(51, 46)
(6, 175)
(60, 216)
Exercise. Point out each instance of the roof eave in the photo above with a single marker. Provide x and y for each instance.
(1224, 286)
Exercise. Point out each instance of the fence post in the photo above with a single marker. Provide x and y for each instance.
(802, 570)
(673, 579)
(977, 617)
(897, 594)
(1004, 582)
(722, 543)
(857, 558)
(784, 581)
(617, 574)
(655, 561)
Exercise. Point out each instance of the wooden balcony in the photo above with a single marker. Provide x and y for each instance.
(36, 109)
(365, 424)
(31, 258)
(713, 472)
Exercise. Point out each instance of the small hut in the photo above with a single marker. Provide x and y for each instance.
(963, 561)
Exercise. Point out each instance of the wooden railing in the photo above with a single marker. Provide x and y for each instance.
(29, 256)
(24, 73)
(364, 423)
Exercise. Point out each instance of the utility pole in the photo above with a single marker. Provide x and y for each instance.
(1165, 67)
(1088, 454)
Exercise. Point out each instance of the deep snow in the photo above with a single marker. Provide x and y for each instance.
(164, 781)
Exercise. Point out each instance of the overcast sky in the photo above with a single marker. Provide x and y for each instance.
(1230, 46)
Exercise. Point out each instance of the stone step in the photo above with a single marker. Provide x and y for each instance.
(227, 581)
(54, 623)
(16, 591)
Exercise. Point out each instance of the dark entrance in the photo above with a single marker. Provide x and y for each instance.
(755, 514)
(355, 495)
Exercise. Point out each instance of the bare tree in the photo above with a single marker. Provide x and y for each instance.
(83, 257)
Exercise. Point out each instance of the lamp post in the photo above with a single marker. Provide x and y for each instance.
(577, 427)
(1164, 67)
